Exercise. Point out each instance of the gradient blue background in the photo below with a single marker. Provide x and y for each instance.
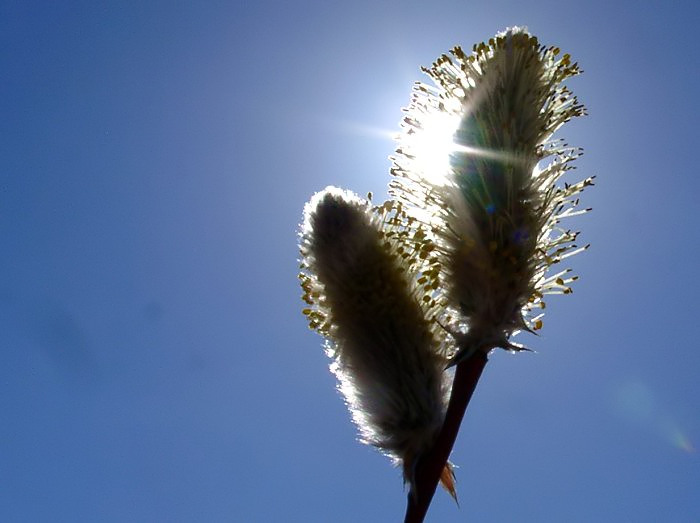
(154, 363)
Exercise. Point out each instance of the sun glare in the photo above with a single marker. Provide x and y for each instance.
(433, 144)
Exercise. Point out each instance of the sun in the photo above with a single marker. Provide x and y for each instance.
(432, 145)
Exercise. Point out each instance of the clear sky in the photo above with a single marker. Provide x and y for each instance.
(154, 362)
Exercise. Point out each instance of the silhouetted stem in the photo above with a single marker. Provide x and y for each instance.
(429, 468)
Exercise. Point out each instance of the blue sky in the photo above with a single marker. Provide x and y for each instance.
(154, 362)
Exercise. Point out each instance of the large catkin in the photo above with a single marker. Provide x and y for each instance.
(494, 208)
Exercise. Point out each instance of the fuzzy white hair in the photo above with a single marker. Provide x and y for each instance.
(388, 354)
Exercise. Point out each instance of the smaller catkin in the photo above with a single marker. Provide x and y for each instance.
(369, 280)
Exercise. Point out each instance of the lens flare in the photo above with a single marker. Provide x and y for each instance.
(636, 402)
(682, 442)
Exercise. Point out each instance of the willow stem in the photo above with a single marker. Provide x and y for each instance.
(430, 466)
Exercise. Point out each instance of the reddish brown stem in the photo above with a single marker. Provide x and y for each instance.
(430, 466)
